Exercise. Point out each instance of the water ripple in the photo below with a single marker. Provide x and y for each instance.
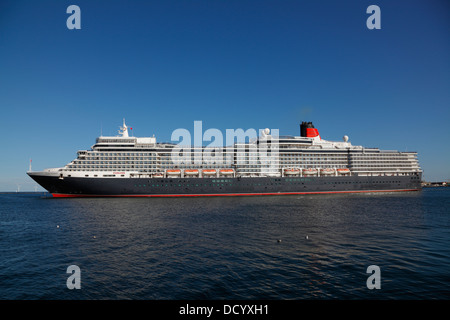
(299, 247)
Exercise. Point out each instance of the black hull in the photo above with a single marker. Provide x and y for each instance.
(165, 187)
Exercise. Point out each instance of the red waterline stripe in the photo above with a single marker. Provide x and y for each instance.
(62, 195)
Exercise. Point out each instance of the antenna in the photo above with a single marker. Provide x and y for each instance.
(124, 130)
(30, 165)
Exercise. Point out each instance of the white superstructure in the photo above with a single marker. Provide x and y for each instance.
(127, 156)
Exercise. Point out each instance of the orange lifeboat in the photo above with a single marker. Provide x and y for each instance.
(327, 171)
(309, 171)
(209, 172)
(343, 171)
(158, 175)
(226, 171)
(291, 171)
(173, 172)
(191, 172)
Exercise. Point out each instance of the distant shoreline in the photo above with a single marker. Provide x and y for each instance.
(23, 192)
(435, 184)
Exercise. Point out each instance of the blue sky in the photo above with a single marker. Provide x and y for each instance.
(163, 64)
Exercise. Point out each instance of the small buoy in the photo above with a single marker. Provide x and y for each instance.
(279, 240)
(57, 226)
(94, 237)
(306, 237)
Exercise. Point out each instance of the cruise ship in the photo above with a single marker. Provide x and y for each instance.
(270, 164)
